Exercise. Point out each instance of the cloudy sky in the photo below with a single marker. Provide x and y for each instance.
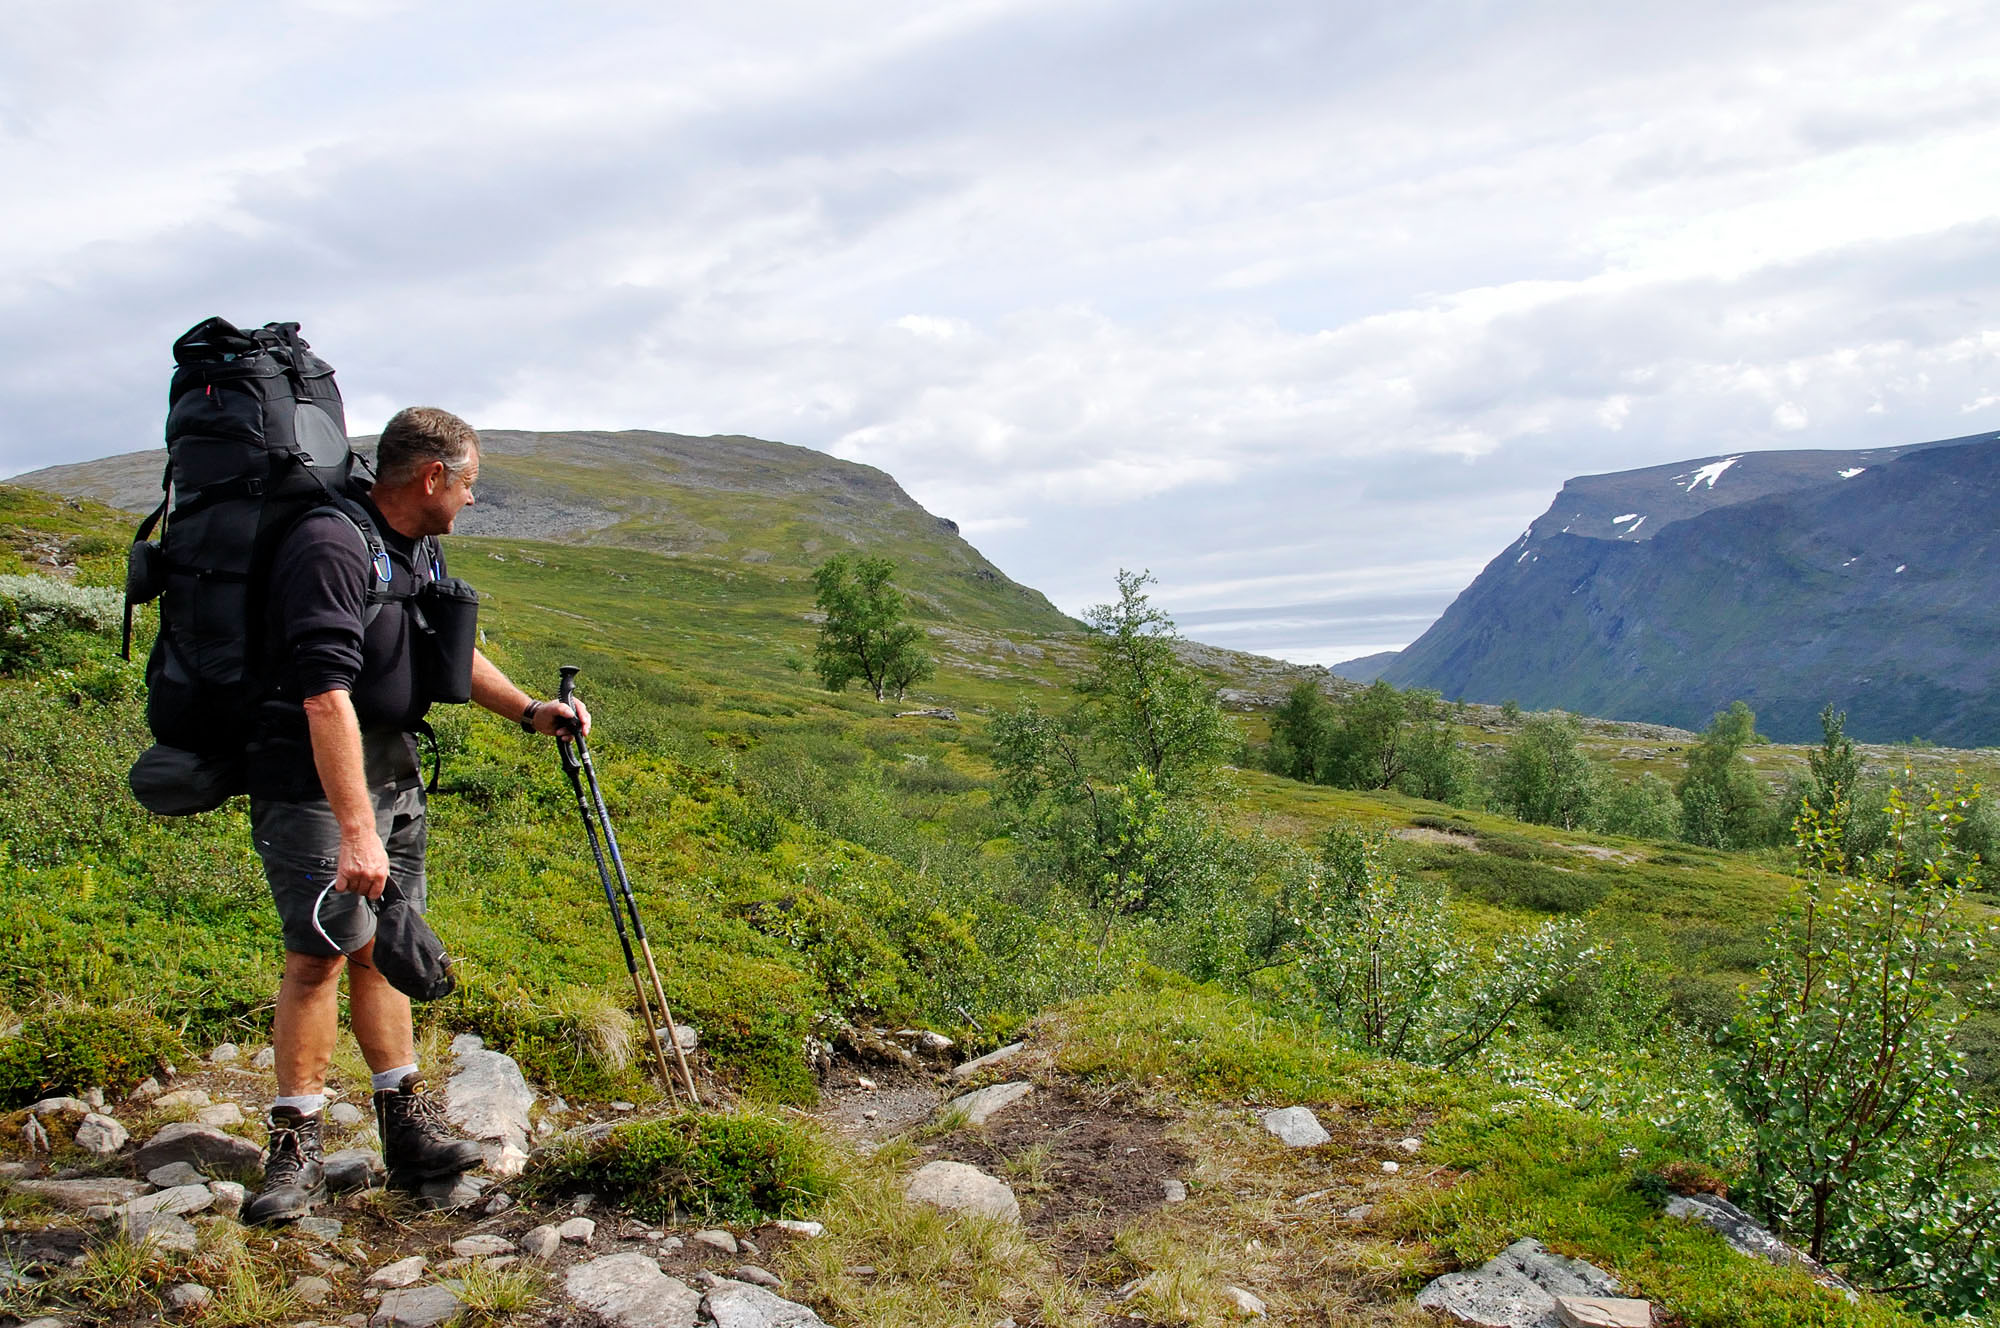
(1307, 307)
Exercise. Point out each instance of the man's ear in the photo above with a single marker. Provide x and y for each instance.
(436, 476)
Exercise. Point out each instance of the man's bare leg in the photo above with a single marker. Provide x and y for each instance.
(379, 1015)
(306, 1022)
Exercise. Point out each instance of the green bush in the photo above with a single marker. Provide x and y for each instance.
(738, 1166)
(40, 616)
(72, 1051)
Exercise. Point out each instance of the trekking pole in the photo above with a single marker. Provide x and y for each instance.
(582, 758)
(573, 768)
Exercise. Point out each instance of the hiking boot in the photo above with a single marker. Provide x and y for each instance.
(293, 1181)
(417, 1144)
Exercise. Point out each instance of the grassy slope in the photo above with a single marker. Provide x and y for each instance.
(685, 659)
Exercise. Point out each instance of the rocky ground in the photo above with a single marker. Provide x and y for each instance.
(1135, 1209)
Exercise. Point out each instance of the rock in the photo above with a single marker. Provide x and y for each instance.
(190, 1099)
(145, 1091)
(452, 1191)
(229, 1197)
(540, 1243)
(175, 1173)
(1517, 1288)
(988, 1061)
(415, 1307)
(226, 1054)
(352, 1169)
(222, 1115)
(1410, 1145)
(979, 1105)
(1358, 1213)
(487, 1096)
(402, 1273)
(719, 1240)
(77, 1195)
(35, 1135)
(671, 1243)
(162, 1231)
(498, 1204)
(868, 1046)
(1175, 1190)
(72, 1107)
(265, 1058)
(740, 1305)
(577, 1231)
(756, 1276)
(862, 1081)
(624, 1106)
(100, 1135)
(313, 1290)
(684, 1034)
(1297, 1127)
(345, 1114)
(630, 1291)
(1603, 1312)
(745, 1245)
(810, 1230)
(320, 1228)
(179, 1200)
(1246, 1305)
(957, 1187)
(1745, 1236)
(1391, 1168)
(201, 1146)
(474, 1247)
(95, 1097)
(189, 1295)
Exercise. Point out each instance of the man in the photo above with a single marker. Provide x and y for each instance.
(339, 801)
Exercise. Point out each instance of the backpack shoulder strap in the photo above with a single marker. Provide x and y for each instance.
(357, 518)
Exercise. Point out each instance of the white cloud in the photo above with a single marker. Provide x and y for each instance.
(1228, 293)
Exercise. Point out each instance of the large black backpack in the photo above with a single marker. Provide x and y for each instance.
(256, 439)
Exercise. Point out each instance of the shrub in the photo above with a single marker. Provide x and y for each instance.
(71, 1051)
(738, 1166)
(39, 615)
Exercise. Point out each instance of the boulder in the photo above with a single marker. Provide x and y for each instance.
(226, 1054)
(351, 1169)
(735, 1304)
(180, 1200)
(541, 1242)
(488, 1097)
(960, 1188)
(101, 1135)
(229, 1197)
(1603, 1312)
(346, 1115)
(397, 1275)
(474, 1247)
(1244, 1304)
(191, 1099)
(1174, 1191)
(200, 1146)
(1516, 1288)
(77, 1195)
(313, 1290)
(1746, 1236)
(162, 1231)
(322, 1229)
(716, 1239)
(630, 1291)
(222, 1115)
(1296, 1127)
(74, 1108)
(189, 1295)
(756, 1276)
(265, 1058)
(415, 1307)
(577, 1231)
(982, 1103)
(988, 1061)
(175, 1173)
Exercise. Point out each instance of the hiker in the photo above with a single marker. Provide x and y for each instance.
(337, 802)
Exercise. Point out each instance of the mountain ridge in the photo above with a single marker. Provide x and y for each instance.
(1868, 586)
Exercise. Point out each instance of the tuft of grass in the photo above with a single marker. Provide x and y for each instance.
(495, 1295)
(734, 1166)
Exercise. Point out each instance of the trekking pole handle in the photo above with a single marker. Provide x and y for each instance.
(567, 687)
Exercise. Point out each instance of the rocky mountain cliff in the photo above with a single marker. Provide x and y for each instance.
(1867, 579)
(723, 498)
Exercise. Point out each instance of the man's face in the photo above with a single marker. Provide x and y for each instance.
(451, 494)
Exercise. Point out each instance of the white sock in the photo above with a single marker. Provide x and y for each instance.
(389, 1079)
(306, 1104)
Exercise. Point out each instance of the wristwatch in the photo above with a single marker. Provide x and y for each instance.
(528, 716)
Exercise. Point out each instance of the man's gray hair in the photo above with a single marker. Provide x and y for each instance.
(418, 436)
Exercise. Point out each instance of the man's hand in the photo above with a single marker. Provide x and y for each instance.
(363, 867)
(560, 719)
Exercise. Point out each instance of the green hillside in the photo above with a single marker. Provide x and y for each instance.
(811, 861)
